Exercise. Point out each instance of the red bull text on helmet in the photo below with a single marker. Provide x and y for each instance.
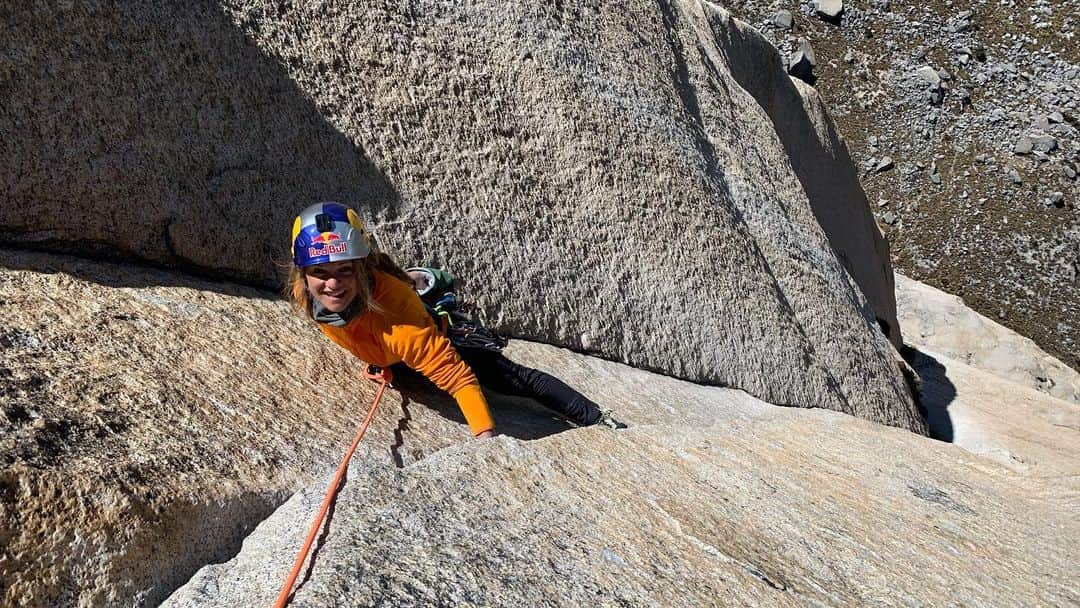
(328, 232)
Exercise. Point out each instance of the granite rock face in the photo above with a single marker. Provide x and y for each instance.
(151, 421)
(780, 508)
(604, 177)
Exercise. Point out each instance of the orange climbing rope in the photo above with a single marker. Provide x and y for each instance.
(383, 377)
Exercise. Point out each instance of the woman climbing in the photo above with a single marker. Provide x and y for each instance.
(367, 304)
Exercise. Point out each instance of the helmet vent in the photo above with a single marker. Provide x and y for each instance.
(324, 222)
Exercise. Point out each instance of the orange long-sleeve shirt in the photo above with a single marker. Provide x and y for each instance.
(404, 332)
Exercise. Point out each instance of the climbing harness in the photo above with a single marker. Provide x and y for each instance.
(435, 287)
(384, 378)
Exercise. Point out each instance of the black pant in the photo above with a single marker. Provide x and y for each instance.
(502, 375)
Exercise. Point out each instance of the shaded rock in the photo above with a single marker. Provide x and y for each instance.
(802, 62)
(933, 79)
(273, 119)
(884, 164)
(1024, 145)
(821, 160)
(829, 9)
(962, 22)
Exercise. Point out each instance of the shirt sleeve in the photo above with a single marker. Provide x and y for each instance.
(475, 408)
(413, 337)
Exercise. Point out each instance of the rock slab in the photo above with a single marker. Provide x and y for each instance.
(786, 509)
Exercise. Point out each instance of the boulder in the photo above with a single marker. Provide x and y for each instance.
(783, 20)
(588, 181)
(830, 9)
(802, 62)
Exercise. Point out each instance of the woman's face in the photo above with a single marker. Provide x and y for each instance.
(332, 284)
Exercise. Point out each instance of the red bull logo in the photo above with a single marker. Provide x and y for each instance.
(327, 243)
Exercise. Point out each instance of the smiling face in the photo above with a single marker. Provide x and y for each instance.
(332, 284)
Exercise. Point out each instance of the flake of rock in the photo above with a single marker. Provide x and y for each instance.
(830, 9)
(783, 20)
(1056, 117)
(944, 75)
(849, 56)
(1024, 146)
(1069, 172)
(1057, 199)
(935, 177)
(802, 62)
(884, 164)
(1042, 123)
(1045, 143)
(889, 218)
(881, 5)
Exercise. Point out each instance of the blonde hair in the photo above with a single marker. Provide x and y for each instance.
(296, 290)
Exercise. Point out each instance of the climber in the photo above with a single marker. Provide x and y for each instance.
(367, 304)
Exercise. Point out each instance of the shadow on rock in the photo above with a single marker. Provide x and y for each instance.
(516, 417)
(110, 269)
(172, 135)
(936, 394)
